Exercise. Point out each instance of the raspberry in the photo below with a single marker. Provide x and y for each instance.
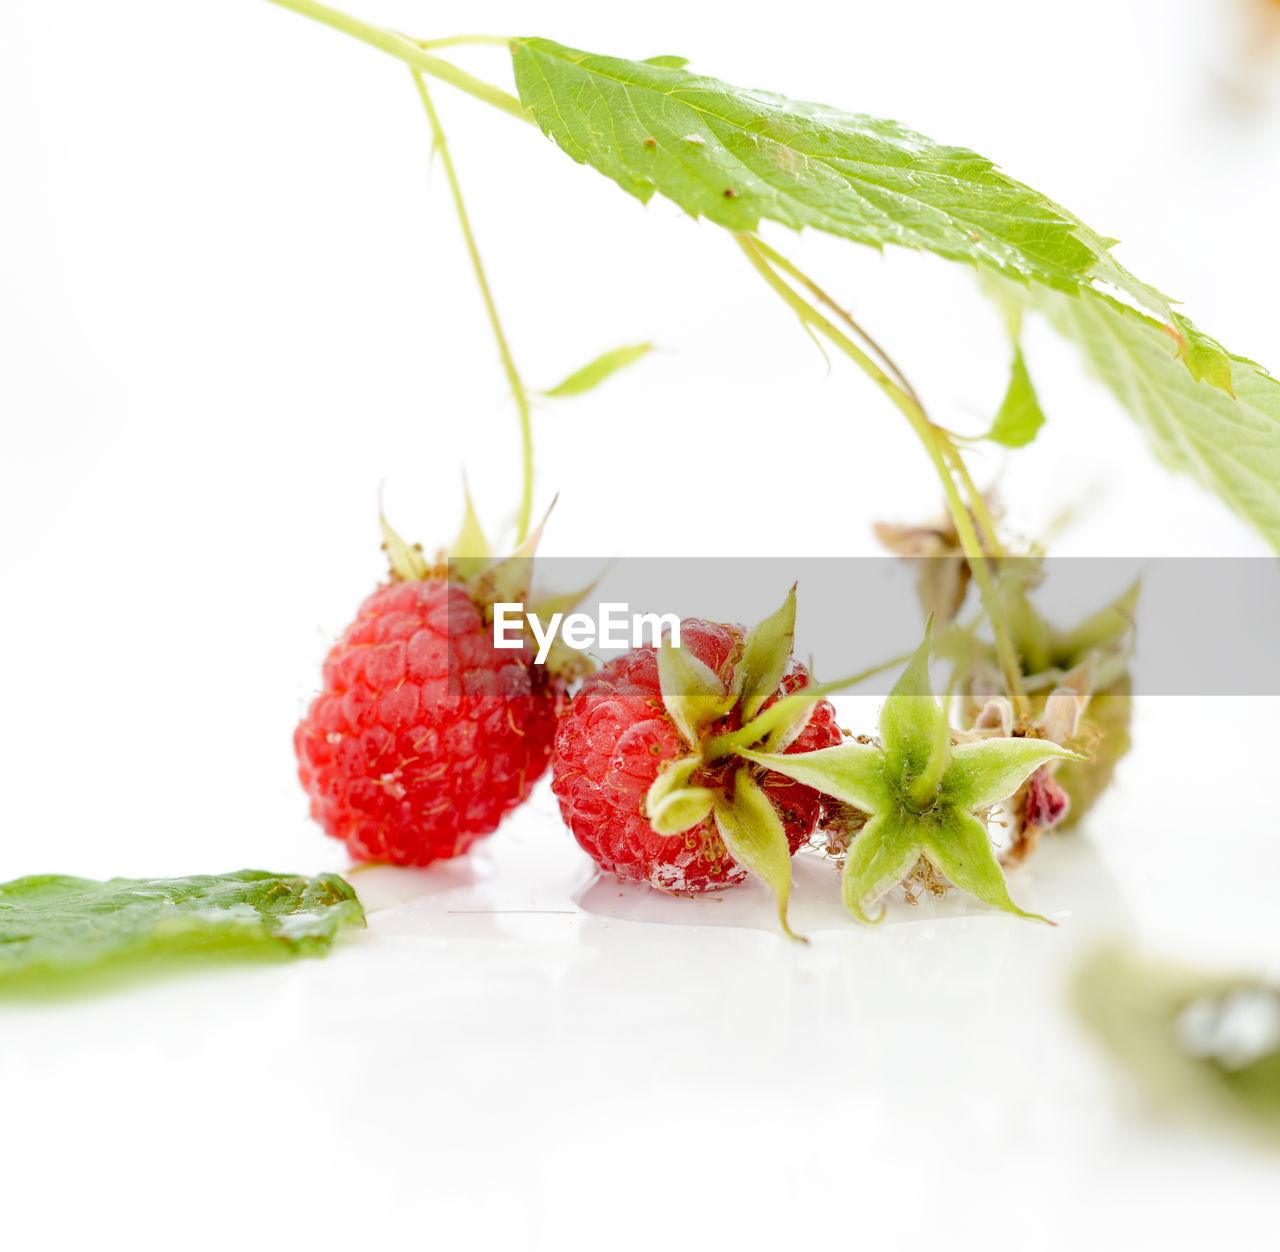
(425, 735)
(617, 736)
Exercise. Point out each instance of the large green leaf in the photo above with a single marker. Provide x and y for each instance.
(737, 156)
(1229, 442)
(53, 926)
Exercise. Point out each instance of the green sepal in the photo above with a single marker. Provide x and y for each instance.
(766, 655)
(681, 809)
(672, 776)
(693, 693)
(879, 858)
(754, 836)
(987, 771)
(959, 847)
(407, 561)
(597, 371)
(913, 727)
(850, 772)
(470, 553)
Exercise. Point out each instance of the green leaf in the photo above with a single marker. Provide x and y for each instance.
(738, 156)
(1229, 443)
(1200, 1042)
(756, 839)
(692, 693)
(597, 371)
(851, 772)
(991, 770)
(668, 62)
(54, 927)
(766, 655)
(1019, 419)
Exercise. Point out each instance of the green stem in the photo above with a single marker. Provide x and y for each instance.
(406, 50)
(504, 349)
(466, 41)
(934, 442)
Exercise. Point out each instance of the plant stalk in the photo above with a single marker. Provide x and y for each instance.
(408, 51)
(518, 390)
(935, 443)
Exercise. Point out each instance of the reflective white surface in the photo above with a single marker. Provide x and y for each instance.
(230, 308)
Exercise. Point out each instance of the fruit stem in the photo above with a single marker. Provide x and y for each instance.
(935, 442)
(410, 52)
(518, 390)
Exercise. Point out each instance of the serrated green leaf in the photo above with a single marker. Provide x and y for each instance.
(603, 367)
(851, 772)
(1020, 418)
(693, 694)
(756, 839)
(1229, 443)
(991, 770)
(766, 655)
(738, 156)
(1206, 359)
(53, 927)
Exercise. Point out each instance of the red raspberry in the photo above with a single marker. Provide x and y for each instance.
(617, 734)
(425, 735)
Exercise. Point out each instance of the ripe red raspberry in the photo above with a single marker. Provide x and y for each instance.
(617, 735)
(425, 734)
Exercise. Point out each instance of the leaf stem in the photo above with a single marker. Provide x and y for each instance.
(519, 392)
(934, 441)
(408, 51)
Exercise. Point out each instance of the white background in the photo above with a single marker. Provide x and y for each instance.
(233, 303)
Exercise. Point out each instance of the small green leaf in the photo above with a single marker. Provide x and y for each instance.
(680, 809)
(1019, 419)
(959, 846)
(991, 770)
(766, 655)
(470, 552)
(880, 857)
(756, 839)
(692, 693)
(851, 772)
(597, 371)
(53, 927)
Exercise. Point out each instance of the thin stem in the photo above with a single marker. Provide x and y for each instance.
(933, 440)
(788, 267)
(465, 41)
(977, 502)
(406, 50)
(504, 349)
